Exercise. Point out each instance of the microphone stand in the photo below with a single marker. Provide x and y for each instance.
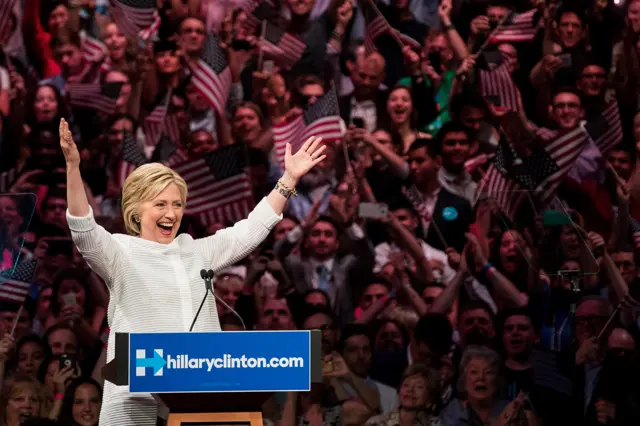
(207, 284)
(229, 308)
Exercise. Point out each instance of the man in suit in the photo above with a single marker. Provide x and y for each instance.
(319, 267)
(440, 208)
(367, 100)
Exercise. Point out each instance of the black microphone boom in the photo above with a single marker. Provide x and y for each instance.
(207, 284)
(225, 303)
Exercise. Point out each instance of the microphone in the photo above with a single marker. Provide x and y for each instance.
(223, 302)
(207, 284)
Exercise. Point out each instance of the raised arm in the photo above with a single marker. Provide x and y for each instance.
(295, 166)
(93, 241)
(232, 244)
(77, 201)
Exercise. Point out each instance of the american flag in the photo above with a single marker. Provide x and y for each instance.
(499, 186)
(16, 283)
(498, 82)
(161, 119)
(376, 25)
(132, 16)
(564, 149)
(93, 49)
(611, 133)
(219, 187)
(533, 170)
(517, 28)
(322, 119)
(168, 152)
(94, 95)
(284, 48)
(151, 32)
(211, 76)
(6, 14)
(132, 157)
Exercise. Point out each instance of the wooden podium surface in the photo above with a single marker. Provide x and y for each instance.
(208, 409)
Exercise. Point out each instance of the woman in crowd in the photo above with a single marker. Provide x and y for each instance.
(480, 384)
(72, 304)
(21, 398)
(81, 403)
(153, 203)
(419, 396)
(31, 352)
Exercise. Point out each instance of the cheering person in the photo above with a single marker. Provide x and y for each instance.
(152, 274)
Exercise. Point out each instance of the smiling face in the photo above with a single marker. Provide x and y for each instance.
(400, 106)
(86, 405)
(160, 217)
(566, 110)
(115, 41)
(633, 16)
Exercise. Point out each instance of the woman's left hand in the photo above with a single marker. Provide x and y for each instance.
(296, 165)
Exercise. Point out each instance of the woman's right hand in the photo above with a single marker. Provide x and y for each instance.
(62, 377)
(69, 148)
(6, 345)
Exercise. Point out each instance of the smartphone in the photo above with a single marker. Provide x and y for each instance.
(59, 245)
(435, 60)
(373, 210)
(267, 67)
(241, 45)
(67, 360)
(567, 62)
(69, 298)
(358, 122)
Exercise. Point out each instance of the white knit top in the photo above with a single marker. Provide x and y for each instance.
(157, 287)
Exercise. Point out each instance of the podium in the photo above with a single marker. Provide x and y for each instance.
(218, 378)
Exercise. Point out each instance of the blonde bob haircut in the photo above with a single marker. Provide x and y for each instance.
(144, 184)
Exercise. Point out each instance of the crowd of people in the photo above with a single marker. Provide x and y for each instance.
(468, 246)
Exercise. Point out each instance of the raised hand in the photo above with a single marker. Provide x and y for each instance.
(298, 164)
(69, 148)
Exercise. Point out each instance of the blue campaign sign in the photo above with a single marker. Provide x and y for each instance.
(243, 361)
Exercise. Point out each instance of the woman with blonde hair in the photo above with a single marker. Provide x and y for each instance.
(153, 274)
(22, 397)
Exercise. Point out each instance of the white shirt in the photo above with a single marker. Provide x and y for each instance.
(462, 186)
(157, 287)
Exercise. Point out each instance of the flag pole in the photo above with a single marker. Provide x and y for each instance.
(15, 321)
